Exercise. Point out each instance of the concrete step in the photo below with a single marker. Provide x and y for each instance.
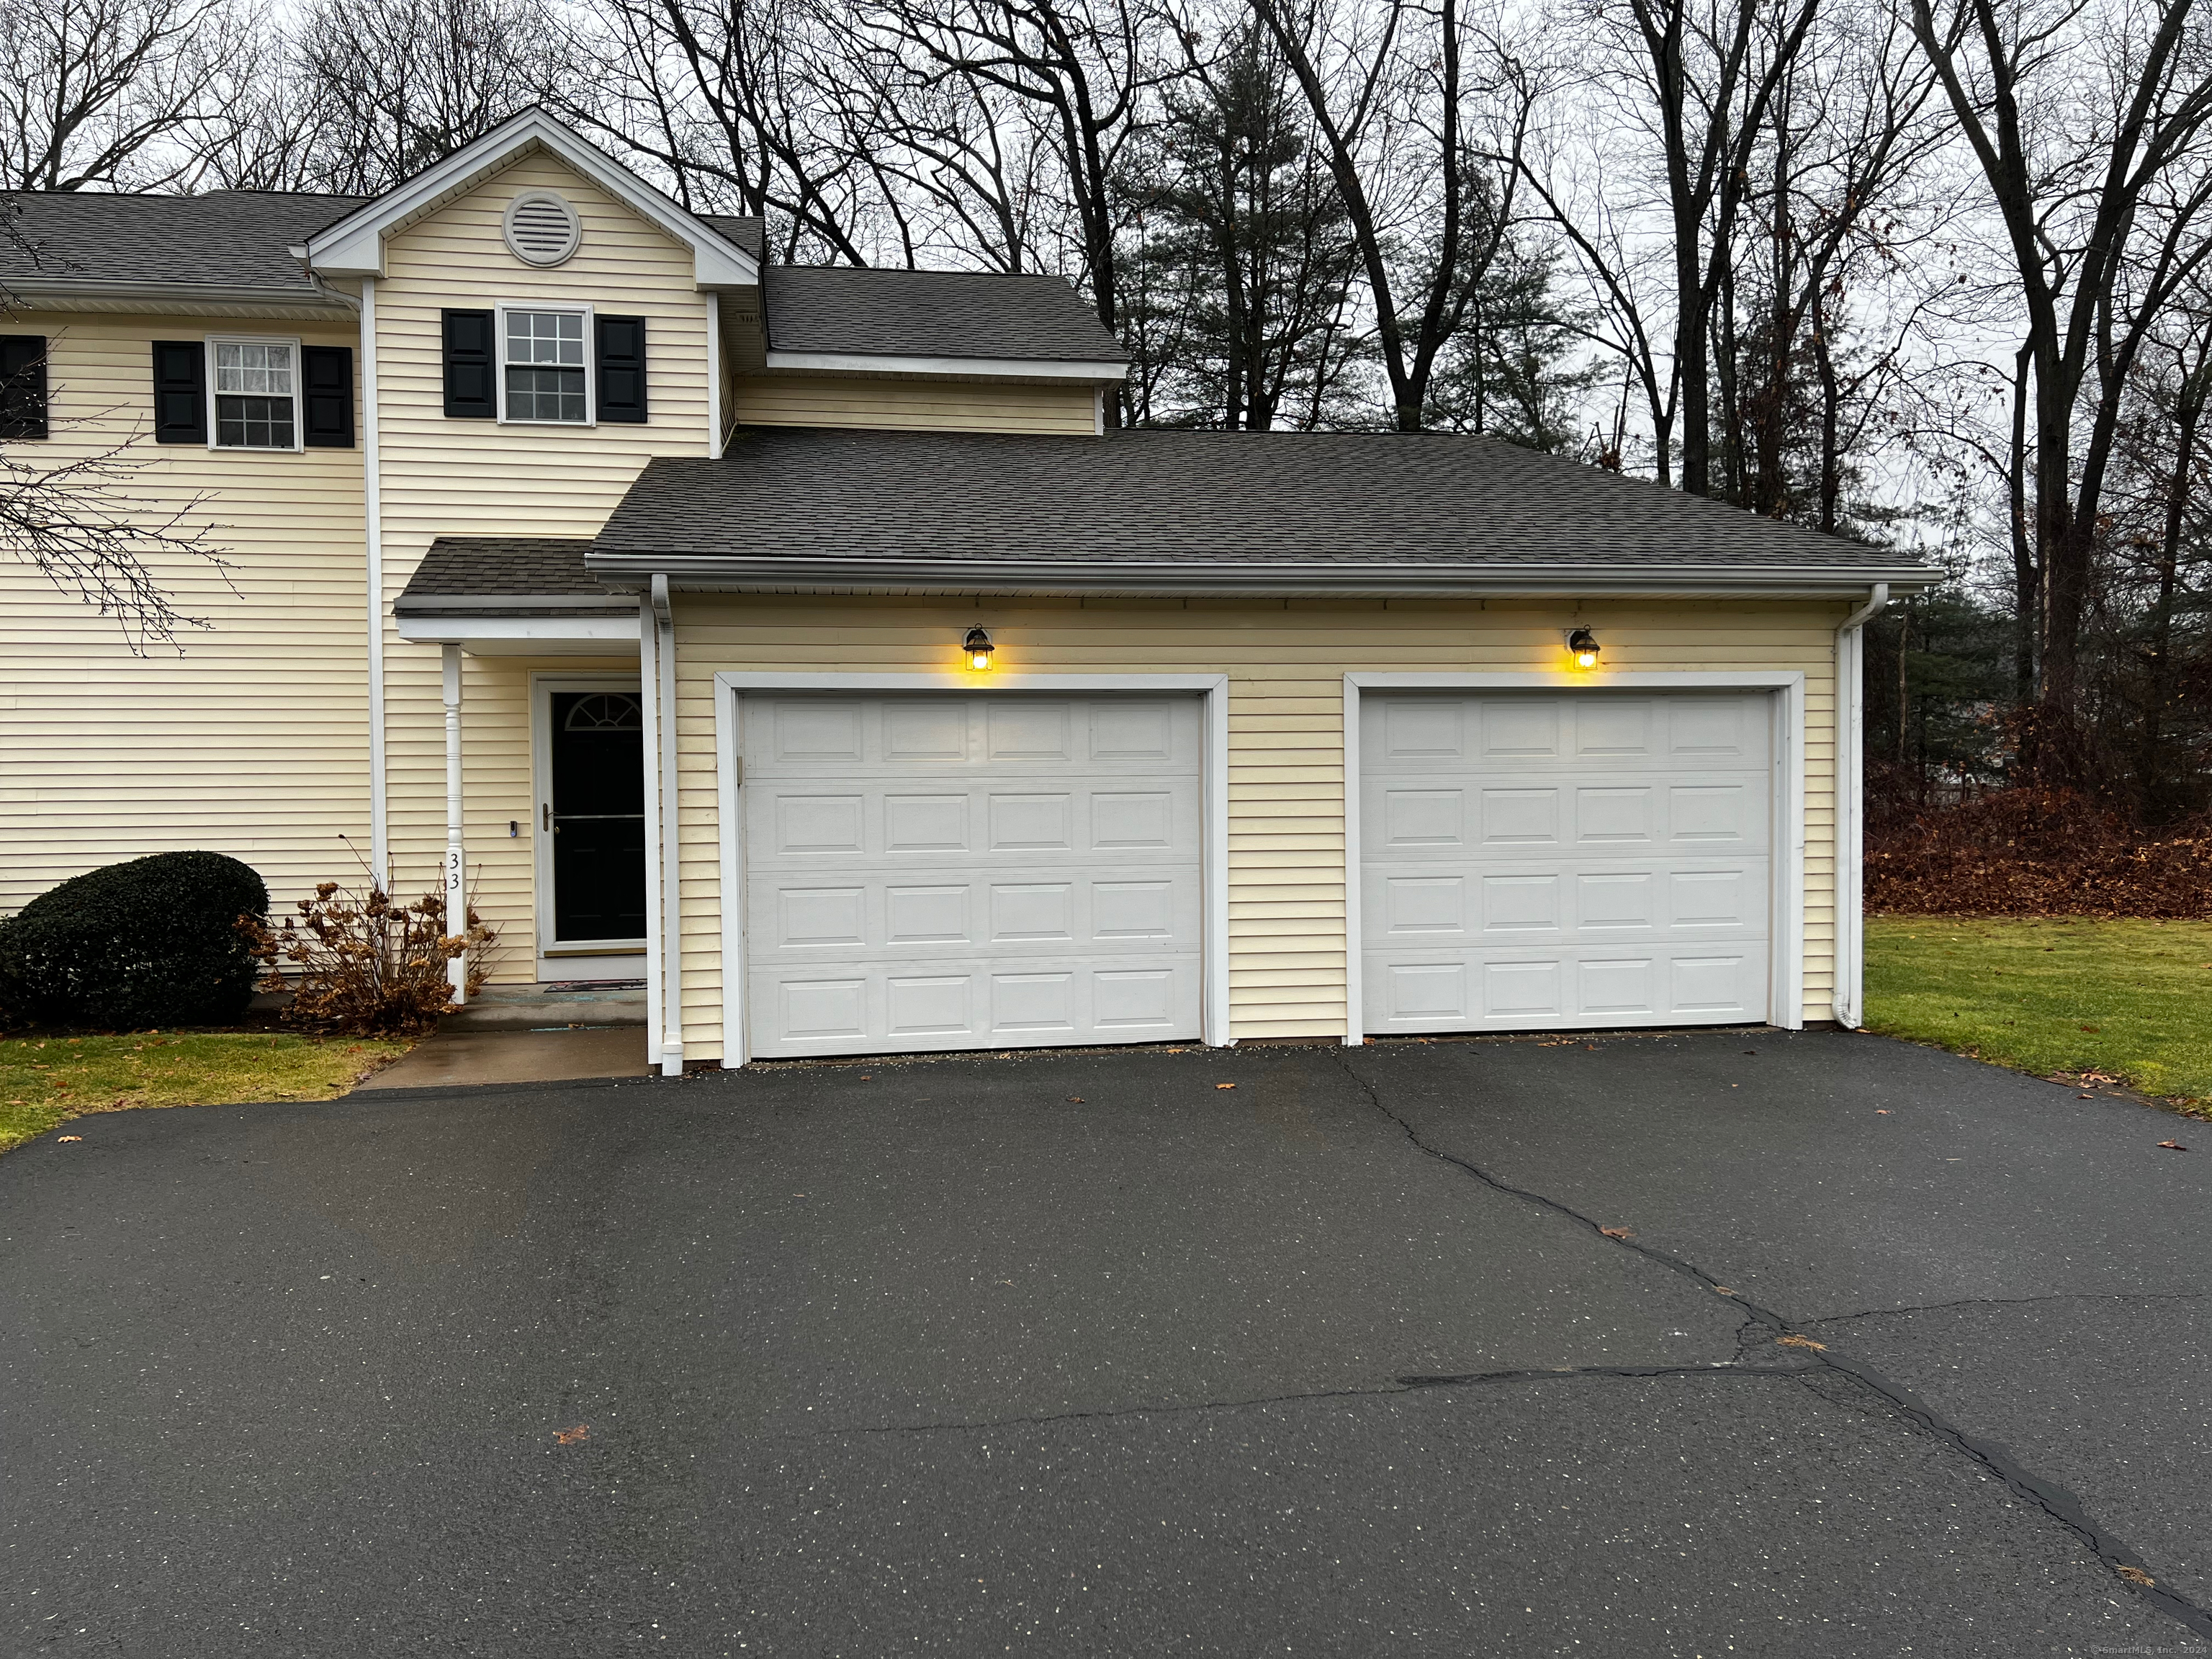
(541, 1008)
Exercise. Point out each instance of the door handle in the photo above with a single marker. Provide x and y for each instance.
(547, 809)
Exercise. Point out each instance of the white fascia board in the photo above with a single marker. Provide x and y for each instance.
(447, 604)
(698, 574)
(997, 369)
(548, 630)
(355, 246)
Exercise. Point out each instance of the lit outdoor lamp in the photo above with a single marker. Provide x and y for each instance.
(1584, 644)
(977, 644)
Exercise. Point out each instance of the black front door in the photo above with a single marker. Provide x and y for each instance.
(597, 816)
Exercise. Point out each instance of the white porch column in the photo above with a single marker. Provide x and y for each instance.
(457, 884)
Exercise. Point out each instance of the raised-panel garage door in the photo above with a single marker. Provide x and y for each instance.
(1001, 871)
(1538, 859)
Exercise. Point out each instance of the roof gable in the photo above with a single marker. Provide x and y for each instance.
(355, 246)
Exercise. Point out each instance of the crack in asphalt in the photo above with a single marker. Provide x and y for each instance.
(1397, 1389)
(2017, 1302)
(2053, 1499)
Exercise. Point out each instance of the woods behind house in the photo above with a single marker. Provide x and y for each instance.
(1929, 271)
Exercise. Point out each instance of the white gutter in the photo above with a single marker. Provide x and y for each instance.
(372, 502)
(672, 895)
(996, 368)
(829, 572)
(318, 299)
(1850, 804)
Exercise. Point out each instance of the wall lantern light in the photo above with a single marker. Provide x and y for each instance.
(977, 644)
(1584, 644)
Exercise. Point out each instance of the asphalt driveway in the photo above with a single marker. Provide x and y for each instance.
(1087, 1353)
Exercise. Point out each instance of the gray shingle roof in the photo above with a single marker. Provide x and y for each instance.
(508, 571)
(1255, 501)
(229, 237)
(930, 313)
(749, 233)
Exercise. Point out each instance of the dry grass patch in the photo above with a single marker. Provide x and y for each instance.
(46, 1081)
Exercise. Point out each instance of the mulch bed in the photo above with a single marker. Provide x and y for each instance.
(2036, 853)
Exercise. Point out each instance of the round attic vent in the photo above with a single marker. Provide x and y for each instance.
(542, 228)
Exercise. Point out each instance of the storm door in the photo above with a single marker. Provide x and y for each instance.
(595, 817)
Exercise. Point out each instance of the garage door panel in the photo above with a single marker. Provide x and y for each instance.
(927, 824)
(950, 871)
(1017, 909)
(1576, 858)
(952, 1003)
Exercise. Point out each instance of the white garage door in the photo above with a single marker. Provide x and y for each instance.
(1565, 858)
(999, 871)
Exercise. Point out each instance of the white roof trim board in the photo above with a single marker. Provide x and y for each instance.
(355, 246)
(857, 362)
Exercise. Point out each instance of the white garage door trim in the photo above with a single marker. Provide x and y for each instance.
(1787, 993)
(1212, 692)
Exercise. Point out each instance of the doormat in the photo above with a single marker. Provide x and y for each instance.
(594, 985)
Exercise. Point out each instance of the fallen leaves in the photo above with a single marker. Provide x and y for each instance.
(1881, 1111)
(1225, 1085)
(1794, 1340)
(1616, 1232)
(1722, 1290)
(2137, 1577)
(58, 1138)
(2173, 1147)
(1075, 1100)
(570, 1436)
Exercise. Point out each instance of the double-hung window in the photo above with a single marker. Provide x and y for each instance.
(256, 394)
(543, 365)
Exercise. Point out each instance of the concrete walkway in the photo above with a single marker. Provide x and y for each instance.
(455, 1059)
(1800, 1346)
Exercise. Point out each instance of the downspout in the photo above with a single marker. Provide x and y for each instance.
(1850, 802)
(372, 502)
(672, 895)
(648, 698)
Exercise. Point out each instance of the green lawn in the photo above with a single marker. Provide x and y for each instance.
(45, 1081)
(2131, 1001)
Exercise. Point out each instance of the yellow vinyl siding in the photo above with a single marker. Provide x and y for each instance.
(1286, 662)
(463, 477)
(913, 405)
(253, 740)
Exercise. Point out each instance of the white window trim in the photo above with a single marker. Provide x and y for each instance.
(299, 394)
(1786, 986)
(1212, 691)
(572, 307)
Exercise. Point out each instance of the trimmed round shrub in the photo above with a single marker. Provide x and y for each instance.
(150, 942)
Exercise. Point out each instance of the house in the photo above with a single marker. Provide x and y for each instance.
(801, 641)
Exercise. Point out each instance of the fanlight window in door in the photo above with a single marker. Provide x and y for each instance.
(606, 711)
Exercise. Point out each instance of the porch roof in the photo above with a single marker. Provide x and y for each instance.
(509, 576)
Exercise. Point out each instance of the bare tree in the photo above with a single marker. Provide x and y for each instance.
(99, 94)
(1080, 69)
(2088, 124)
(752, 106)
(1424, 116)
(79, 521)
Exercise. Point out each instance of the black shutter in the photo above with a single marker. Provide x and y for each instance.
(22, 386)
(179, 392)
(621, 368)
(326, 381)
(470, 392)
